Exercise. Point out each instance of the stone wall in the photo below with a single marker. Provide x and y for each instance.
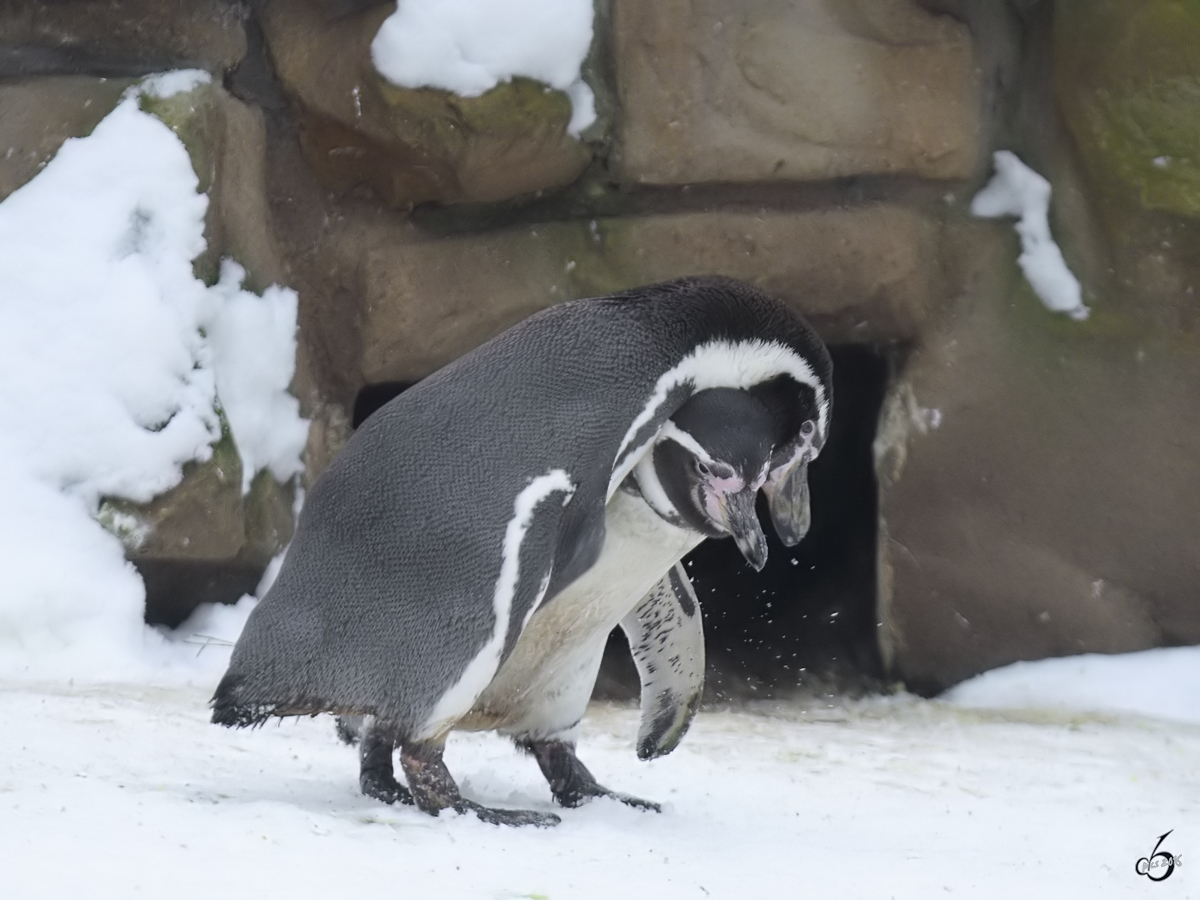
(1038, 477)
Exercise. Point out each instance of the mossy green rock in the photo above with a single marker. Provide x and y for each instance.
(1127, 75)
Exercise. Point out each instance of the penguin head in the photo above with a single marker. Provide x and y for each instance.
(801, 415)
(706, 468)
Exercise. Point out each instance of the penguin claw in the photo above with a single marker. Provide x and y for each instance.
(384, 786)
(514, 817)
(635, 802)
(570, 781)
(584, 793)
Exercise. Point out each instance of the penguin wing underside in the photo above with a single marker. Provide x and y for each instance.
(666, 636)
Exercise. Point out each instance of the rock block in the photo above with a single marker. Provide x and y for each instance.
(413, 146)
(1038, 483)
(865, 274)
(762, 90)
(37, 115)
(1127, 76)
(120, 37)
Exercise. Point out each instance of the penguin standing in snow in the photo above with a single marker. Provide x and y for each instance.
(462, 561)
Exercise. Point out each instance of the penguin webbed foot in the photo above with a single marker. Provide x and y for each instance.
(515, 817)
(376, 778)
(383, 786)
(571, 783)
(433, 789)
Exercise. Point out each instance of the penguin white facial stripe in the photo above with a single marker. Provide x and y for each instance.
(482, 669)
(652, 489)
(731, 364)
(672, 432)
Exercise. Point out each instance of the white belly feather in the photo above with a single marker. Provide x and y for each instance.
(544, 686)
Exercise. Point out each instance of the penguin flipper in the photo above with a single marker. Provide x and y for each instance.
(666, 636)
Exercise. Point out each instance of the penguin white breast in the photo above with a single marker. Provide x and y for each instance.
(544, 685)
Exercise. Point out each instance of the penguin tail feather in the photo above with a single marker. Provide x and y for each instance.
(232, 712)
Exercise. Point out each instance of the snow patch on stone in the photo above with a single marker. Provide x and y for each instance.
(1017, 190)
(470, 46)
(114, 359)
(168, 84)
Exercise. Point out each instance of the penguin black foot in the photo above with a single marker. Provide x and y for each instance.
(433, 789)
(375, 775)
(384, 786)
(570, 781)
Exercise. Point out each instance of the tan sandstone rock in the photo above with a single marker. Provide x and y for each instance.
(413, 146)
(37, 115)
(763, 90)
(121, 37)
(869, 273)
(1038, 482)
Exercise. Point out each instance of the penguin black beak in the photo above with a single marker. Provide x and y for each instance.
(788, 500)
(741, 521)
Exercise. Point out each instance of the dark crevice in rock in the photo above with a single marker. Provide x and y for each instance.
(807, 621)
(594, 196)
(253, 79)
(373, 396)
(175, 587)
(22, 62)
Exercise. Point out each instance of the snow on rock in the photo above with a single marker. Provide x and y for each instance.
(113, 360)
(1161, 683)
(1017, 190)
(253, 342)
(470, 46)
(168, 84)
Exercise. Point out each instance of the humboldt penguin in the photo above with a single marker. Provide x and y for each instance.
(461, 562)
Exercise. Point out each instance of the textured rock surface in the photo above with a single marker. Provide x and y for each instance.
(226, 141)
(205, 520)
(726, 90)
(37, 115)
(871, 273)
(1128, 78)
(412, 146)
(119, 37)
(1043, 514)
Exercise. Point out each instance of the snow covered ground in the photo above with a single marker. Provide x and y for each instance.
(127, 791)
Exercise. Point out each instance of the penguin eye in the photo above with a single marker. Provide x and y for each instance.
(807, 428)
(704, 470)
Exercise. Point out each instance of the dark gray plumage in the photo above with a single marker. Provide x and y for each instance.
(473, 500)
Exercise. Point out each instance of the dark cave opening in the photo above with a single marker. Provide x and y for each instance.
(175, 587)
(373, 396)
(807, 621)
